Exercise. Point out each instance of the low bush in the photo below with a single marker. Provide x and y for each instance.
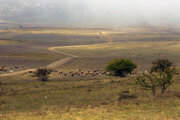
(42, 74)
(126, 95)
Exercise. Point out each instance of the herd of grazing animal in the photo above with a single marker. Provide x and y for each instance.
(6, 69)
(77, 72)
(80, 72)
(3, 69)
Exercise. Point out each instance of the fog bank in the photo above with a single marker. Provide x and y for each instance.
(91, 12)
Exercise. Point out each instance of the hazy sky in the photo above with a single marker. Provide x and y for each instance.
(92, 12)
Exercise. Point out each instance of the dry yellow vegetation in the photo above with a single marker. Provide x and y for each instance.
(118, 47)
(8, 42)
(54, 31)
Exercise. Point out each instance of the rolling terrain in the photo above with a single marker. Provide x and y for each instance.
(84, 96)
(31, 50)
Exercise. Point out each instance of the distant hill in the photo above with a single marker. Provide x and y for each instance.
(90, 12)
(48, 12)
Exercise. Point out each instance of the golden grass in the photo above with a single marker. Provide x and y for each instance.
(77, 31)
(132, 30)
(118, 47)
(8, 42)
(123, 45)
(55, 31)
(109, 112)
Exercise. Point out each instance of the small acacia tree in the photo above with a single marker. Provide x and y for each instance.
(148, 81)
(161, 76)
(42, 74)
(166, 78)
(166, 70)
(121, 67)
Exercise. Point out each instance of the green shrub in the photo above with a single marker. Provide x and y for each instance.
(121, 67)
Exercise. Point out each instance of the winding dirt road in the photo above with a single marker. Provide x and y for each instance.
(50, 66)
(61, 61)
(58, 63)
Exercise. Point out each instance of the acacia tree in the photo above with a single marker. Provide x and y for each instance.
(161, 76)
(166, 78)
(166, 70)
(148, 81)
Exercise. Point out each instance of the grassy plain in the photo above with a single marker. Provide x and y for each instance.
(29, 47)
(23, 97)
(86, 98)
(141, 52)
(117, 48)
(5, 42)
(55, 31)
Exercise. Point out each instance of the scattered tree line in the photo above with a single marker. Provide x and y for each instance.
(160, 76)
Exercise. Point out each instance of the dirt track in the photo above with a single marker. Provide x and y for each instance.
(59, 62)
(50, 66)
